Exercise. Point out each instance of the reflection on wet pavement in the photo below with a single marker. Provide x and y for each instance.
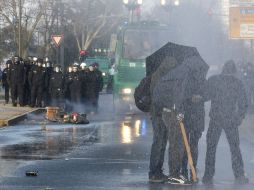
(25, 143)
(47, 143)
(132, 129)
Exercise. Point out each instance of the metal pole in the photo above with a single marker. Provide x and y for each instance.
(20, 15)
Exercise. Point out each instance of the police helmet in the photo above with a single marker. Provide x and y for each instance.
(69, 70)
(95, 64)
(16, 59)
(48, 64)
(83, 66)
(40, 62)
(46, 59)
(8, 62)
(35, 59)
(57, 68)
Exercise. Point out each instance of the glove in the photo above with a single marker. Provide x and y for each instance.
(180, 117)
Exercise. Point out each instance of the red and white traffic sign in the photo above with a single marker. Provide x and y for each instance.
(57, 39)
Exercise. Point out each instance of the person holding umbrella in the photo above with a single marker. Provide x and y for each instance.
(170, 95)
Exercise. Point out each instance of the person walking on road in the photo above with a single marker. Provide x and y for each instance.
(228, 109)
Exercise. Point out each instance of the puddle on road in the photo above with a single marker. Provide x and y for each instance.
(47, 143)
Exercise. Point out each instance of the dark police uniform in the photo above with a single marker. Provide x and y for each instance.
(17, 80)
(5, 82)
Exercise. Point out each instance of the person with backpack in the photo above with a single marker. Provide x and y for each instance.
(160, 131)
(169, 97)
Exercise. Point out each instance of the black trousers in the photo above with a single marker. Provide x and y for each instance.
(160, 139)
(176, 145)
(36, 96)
(6, 93)
(213, 135)
(17, 92)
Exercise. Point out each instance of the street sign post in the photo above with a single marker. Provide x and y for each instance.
(241, 22)
(57, 39)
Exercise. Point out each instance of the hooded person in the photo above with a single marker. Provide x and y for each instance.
(228, 108)
(169, 96)
(194, 118)
(160, 131)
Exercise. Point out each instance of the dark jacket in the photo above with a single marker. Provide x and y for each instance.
(91, 85)
(56, 82)
(37, 77)
(17, 74)
(99, 81)
(228, 98)
(6, 73)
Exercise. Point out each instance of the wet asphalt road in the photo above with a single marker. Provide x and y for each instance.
(112, 152)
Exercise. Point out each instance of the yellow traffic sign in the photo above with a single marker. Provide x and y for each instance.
(241, 22)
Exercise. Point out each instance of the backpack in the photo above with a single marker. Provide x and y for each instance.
(142, 94)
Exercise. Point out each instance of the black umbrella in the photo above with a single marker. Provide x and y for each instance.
(174, 87)
(180, 52)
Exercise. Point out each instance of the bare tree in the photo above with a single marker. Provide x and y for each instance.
(31, 11)
(92, 17)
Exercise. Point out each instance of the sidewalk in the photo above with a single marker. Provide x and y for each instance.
(9, 115)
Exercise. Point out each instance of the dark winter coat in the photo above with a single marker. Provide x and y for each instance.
(5, 75)
(56, 83)
(228, 98)
(17, 74)
(37, 77)
(99, 81)
(92, 86)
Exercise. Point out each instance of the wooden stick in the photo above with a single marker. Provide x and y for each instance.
(187, 147)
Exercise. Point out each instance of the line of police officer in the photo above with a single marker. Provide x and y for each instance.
(38, 83)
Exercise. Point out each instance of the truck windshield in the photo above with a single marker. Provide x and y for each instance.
(138, 44)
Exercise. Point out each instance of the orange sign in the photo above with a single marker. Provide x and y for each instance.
(57, 39)
(241, 22)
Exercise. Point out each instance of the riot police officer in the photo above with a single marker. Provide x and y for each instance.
(56, 86)
(67, 81)
(17, 80)
(92, 80)
(75, 86)
(37, 83)
(49, 71)
(83, 75)
(98, 85)
(5, 81)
